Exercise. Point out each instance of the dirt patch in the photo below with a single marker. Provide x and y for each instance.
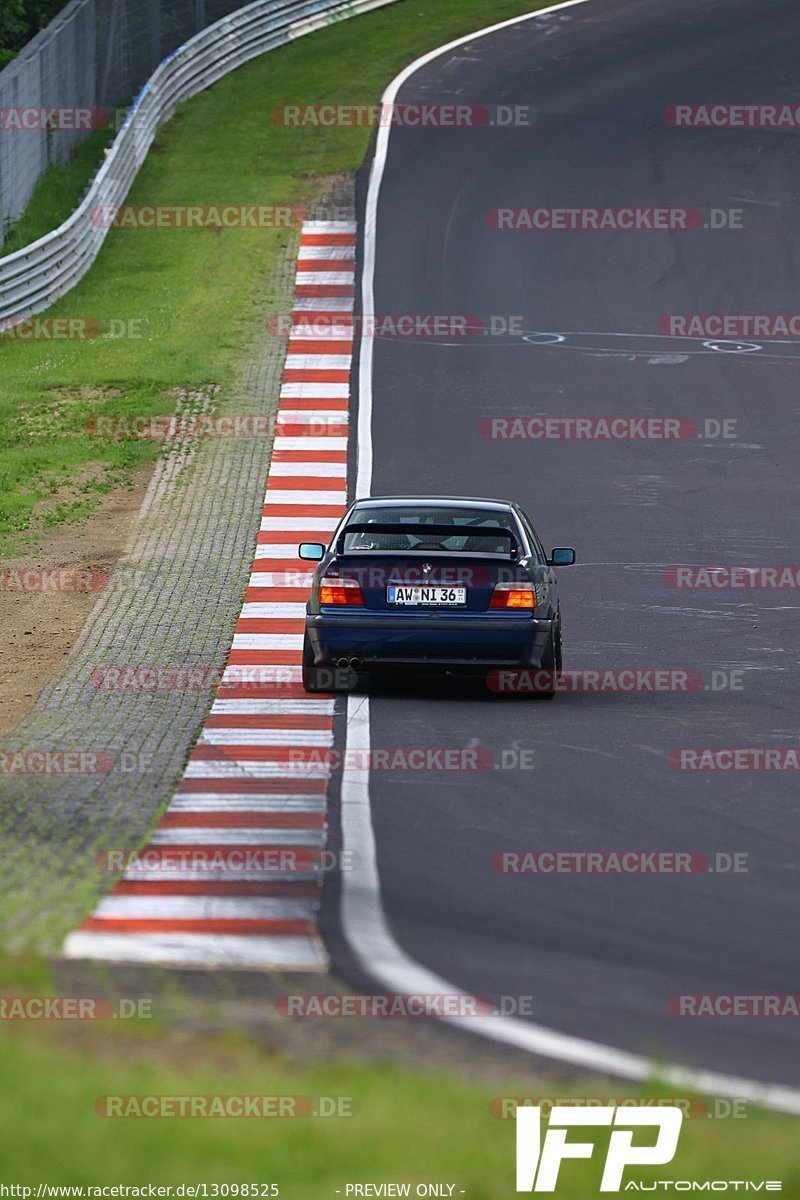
(47, 595)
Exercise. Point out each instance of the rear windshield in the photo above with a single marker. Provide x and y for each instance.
(462, 520)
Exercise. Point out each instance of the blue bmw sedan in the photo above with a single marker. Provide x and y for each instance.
(412, 583)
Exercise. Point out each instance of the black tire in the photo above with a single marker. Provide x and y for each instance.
(311, 675)
(552, 660)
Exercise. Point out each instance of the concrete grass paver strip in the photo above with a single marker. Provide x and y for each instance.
(172, 603)
(196, 902)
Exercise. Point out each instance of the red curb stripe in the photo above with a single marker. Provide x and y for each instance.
(264, 658)
(270, 624)
(302, 755)
(328, 239)
(255, 787)
(309, 375)
(334, 404)
(294, 431)
(242, 820)
(276, 720)
(277, 564)
(196, 887)
(275, 928)
(305, 483)
(317, 265)
(321, 291)
(319, 346)
(304, 510)
(266, 691)
(277, 595)
(291, 536)
(320, 317)
(310, 456)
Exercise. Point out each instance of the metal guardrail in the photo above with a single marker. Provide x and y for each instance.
(92, 57)
(34, 277)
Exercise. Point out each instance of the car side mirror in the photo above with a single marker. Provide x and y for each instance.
(561, 556)
(313, 551)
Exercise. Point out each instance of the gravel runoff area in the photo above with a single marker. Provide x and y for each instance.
(172, 602)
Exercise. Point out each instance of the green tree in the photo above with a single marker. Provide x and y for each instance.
(14, 25)
(40, 13)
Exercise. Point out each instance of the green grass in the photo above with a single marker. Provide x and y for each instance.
(408, 1126)
(58, 192)
(196, 292)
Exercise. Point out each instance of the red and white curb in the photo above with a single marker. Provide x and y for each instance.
(233, 872)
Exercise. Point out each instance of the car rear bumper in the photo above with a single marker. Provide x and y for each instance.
(435, 641)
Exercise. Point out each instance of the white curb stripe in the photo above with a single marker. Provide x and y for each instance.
(201, 950)
(311, 391)
(262, 788)
(320, 470)
(227, 836)
(308, 445)
(241, 802)
(212, 908)
(267, 641)
(266, 737)
(268, 707)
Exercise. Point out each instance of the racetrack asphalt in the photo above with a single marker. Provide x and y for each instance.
(600, 956)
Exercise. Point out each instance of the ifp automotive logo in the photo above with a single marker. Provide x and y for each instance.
(539, 1160)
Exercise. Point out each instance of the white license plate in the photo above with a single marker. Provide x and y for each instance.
(426, 595)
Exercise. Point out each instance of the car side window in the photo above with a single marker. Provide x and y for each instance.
(536, 545)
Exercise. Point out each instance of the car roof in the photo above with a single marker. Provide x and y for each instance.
(437, 501)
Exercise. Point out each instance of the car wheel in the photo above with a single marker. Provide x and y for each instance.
(311, 674)
(552, 660)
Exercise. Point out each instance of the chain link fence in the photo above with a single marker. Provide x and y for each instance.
(93, 57)
(33, 277)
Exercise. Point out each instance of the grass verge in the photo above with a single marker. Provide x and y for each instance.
(400, 1126)
(58, 192)
(174, 304)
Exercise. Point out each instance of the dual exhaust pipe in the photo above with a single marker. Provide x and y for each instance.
(349, 662)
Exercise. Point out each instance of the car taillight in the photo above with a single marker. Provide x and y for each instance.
(513, 595)
(335, 590)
